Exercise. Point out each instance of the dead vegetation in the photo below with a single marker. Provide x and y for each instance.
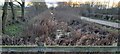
(62, 29)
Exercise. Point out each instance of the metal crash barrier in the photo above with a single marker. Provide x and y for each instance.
(59, 49)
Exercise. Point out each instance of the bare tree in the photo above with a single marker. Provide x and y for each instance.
(22, 4)
(39, 6)
(4, 15)
(13, 11)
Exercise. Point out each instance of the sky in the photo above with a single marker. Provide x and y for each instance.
(83, 1)
(55, 1)
(66, 0)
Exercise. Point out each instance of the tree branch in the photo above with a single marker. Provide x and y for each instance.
(19, 2)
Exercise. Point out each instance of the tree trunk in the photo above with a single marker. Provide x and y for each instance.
(4, 16)
(22, 9)
(119, 25)
(118, 40)
(13, 12)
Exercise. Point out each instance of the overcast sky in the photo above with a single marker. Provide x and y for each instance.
(55, 1)
(66, 0)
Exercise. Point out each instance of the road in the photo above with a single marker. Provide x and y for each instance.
(107, 23)
(102, 22)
